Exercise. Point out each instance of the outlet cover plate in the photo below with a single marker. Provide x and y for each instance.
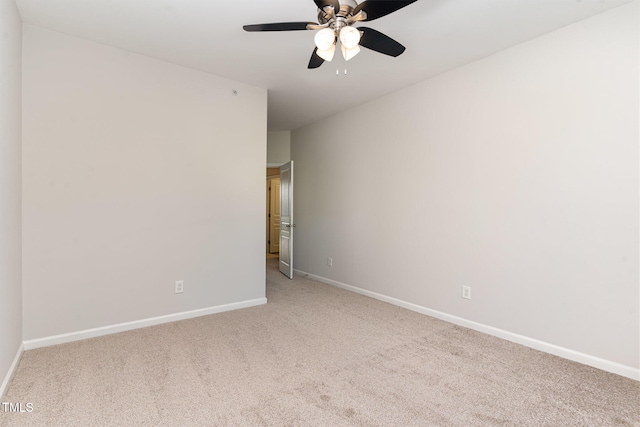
(179, 286)
(466, 292)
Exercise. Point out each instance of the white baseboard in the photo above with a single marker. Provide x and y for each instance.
(122, 327)
(12, 371)
(585, 359)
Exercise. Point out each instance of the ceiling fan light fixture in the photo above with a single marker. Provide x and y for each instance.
(324, 39)
(335, 25)
(349, 37)
(349, 53)
(327, 54)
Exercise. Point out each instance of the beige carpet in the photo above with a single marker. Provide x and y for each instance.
(313, 356)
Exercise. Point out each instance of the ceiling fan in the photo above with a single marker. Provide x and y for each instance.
(335, 23)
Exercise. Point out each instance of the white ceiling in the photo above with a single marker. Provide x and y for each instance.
(207, 35)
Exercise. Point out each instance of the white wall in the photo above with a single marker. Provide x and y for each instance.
(136, 173)
(278, 147)
(516, 175)
(10, 188)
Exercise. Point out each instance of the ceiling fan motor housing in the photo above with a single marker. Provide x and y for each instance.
(327, 15)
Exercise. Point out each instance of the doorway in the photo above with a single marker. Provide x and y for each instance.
(279, 218)
(273, 213)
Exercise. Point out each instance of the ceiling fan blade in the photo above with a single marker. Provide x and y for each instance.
(378, 8)
(279, 26)
(375, 40)
(315, 60)
(333, 3)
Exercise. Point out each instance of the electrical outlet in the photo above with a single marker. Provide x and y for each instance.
(330, 262)
(466, 292)
(179, 286)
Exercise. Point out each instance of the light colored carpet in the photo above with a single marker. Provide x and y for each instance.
(314, 355)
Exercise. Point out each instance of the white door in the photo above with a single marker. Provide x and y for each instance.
(286, 219)
(274, 216)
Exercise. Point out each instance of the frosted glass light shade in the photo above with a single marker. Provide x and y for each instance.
(324, 39)
(349, 53)
(327, 54)
(349, 37)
